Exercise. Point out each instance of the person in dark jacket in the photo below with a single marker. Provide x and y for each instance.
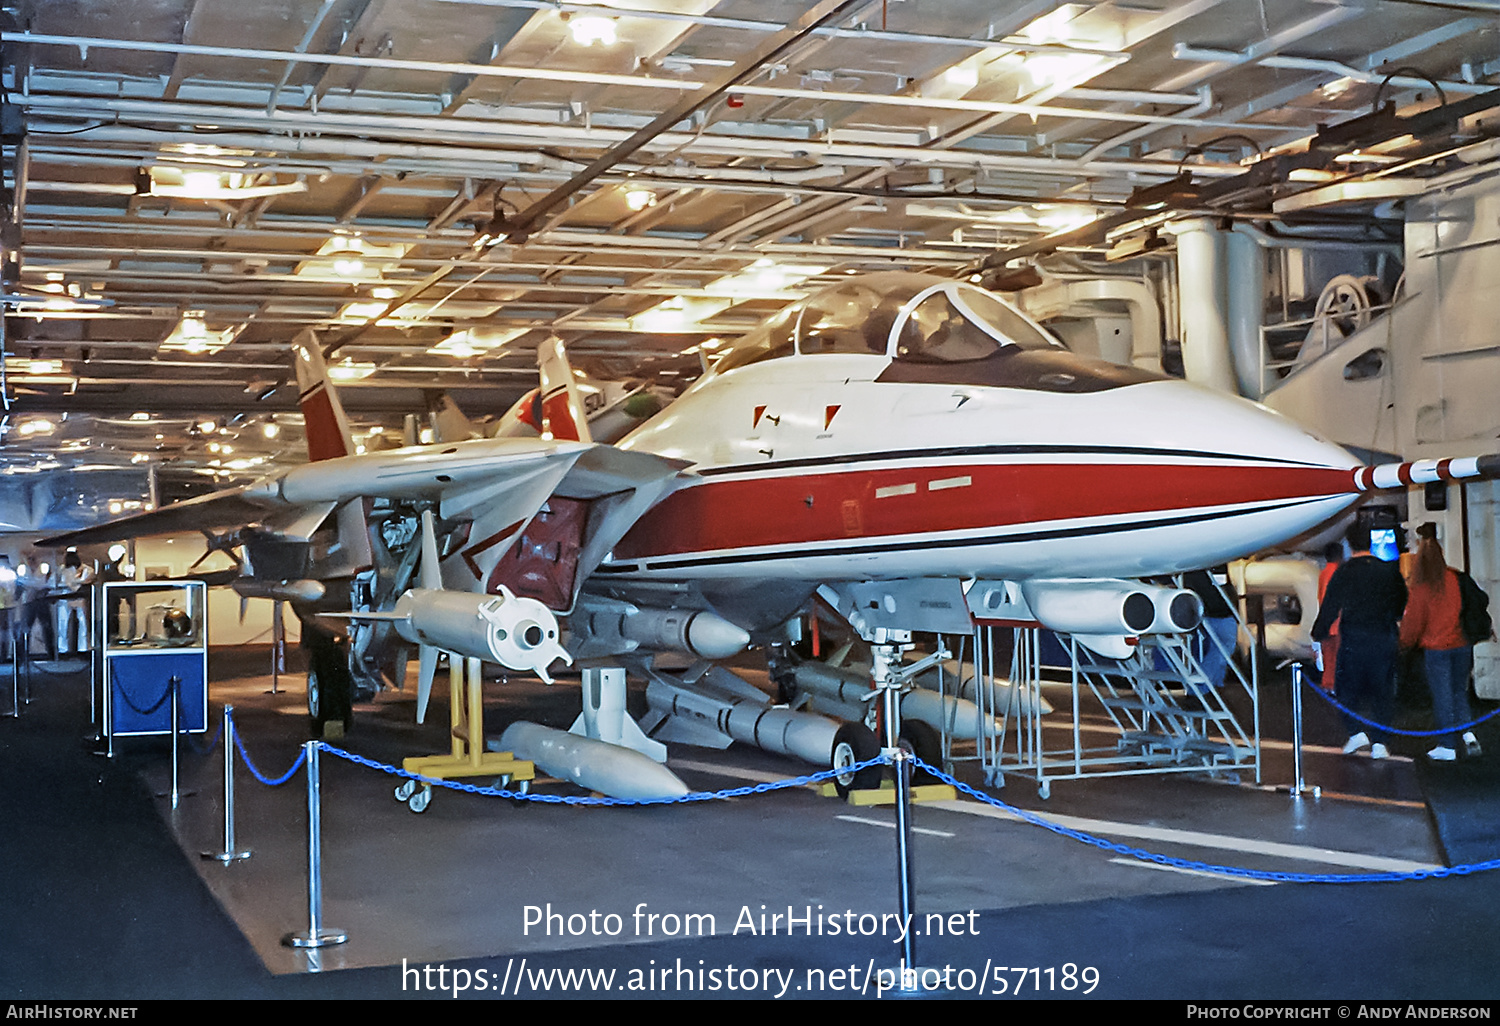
(1366, 597)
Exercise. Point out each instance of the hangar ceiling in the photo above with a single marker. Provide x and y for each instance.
(436, 186)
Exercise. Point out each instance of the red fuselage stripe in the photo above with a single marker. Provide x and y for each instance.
(805, 509)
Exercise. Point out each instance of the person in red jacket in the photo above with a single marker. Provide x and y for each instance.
(1432, 621)
(1333, 556)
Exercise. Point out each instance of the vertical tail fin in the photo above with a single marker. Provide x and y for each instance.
(448, 422)
(323, 415)
(563, 414)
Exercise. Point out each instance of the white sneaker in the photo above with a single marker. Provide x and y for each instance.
(1355, 743)
(1471, 744)
(1442, 753)
(1379, 751)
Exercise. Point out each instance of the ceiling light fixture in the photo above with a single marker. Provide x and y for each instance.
(639, 199)
(179, 183)
(192, 335)
(591, 29)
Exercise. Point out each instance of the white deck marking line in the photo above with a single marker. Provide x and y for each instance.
(901, 489)
(1225, 842)
(1138, 864)
(949, 482)
(892, 826)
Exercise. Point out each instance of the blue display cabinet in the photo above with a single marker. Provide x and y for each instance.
(154, 631)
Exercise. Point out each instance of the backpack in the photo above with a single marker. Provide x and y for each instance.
(1473, 614)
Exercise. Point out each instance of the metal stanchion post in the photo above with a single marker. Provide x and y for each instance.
(278, 646)
(15, 677)
(229, 854)
(26, 665)
(172, 683)
(176, 794)
(884, 656)
(1298, 786)
(317, 936)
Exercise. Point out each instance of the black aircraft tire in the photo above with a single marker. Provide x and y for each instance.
(855, 743)
(330, 692)
(923, 741)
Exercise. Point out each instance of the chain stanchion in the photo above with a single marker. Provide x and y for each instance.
(15, 676)
(176, 793)
(1299, 786)
(885, 677)
(317, 935)
(229, 853)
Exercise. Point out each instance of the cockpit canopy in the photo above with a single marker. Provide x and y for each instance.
(933, 330)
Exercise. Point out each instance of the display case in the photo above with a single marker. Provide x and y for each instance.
(153, 632)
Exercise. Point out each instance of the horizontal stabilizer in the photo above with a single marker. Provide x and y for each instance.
(217, 511)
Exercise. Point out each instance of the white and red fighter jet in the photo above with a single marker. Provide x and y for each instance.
(914, 448)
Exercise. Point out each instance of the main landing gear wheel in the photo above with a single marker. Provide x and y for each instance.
(330, 693)
(405, 790)
(855, 743)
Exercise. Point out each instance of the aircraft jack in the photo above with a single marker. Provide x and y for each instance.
(468, 758)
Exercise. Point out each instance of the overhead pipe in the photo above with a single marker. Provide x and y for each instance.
(1204, 304)
(1057, 297)
(745, 24)
(467, 130)
(1245, 284)
(630, 81)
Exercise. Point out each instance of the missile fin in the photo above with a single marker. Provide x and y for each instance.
(429, 576)
(427, 658)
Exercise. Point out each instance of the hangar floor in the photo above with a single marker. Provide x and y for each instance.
(107, 896)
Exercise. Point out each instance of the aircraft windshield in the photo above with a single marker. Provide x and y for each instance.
(959, 323)
(954, 333)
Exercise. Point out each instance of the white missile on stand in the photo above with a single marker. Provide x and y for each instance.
(516, 632)
(597, 765)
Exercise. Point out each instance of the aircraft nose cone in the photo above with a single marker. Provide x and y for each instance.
(1217, 422)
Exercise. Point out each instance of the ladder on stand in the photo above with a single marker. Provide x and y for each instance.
(1159, 706)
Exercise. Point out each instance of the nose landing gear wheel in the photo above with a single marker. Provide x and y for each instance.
(855, 743)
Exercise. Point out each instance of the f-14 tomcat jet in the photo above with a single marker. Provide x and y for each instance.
(914, 449)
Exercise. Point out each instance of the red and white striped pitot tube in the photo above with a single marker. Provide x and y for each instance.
(1397, 475)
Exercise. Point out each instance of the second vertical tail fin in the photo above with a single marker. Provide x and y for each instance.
(563, 414)
(326, 426)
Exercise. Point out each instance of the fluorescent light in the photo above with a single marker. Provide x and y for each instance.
(191, 335)
(179, 183)
(348, 370)
(473, 341)
(591, 29)
(965, 76)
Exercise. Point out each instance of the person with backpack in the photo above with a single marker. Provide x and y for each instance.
(1434, 620)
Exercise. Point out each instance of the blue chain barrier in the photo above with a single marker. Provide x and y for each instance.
(143, 712)
(301, 757)
(1205, 867)
(812, 778)
(1394, 730)
(555, 799)
(212, 744)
